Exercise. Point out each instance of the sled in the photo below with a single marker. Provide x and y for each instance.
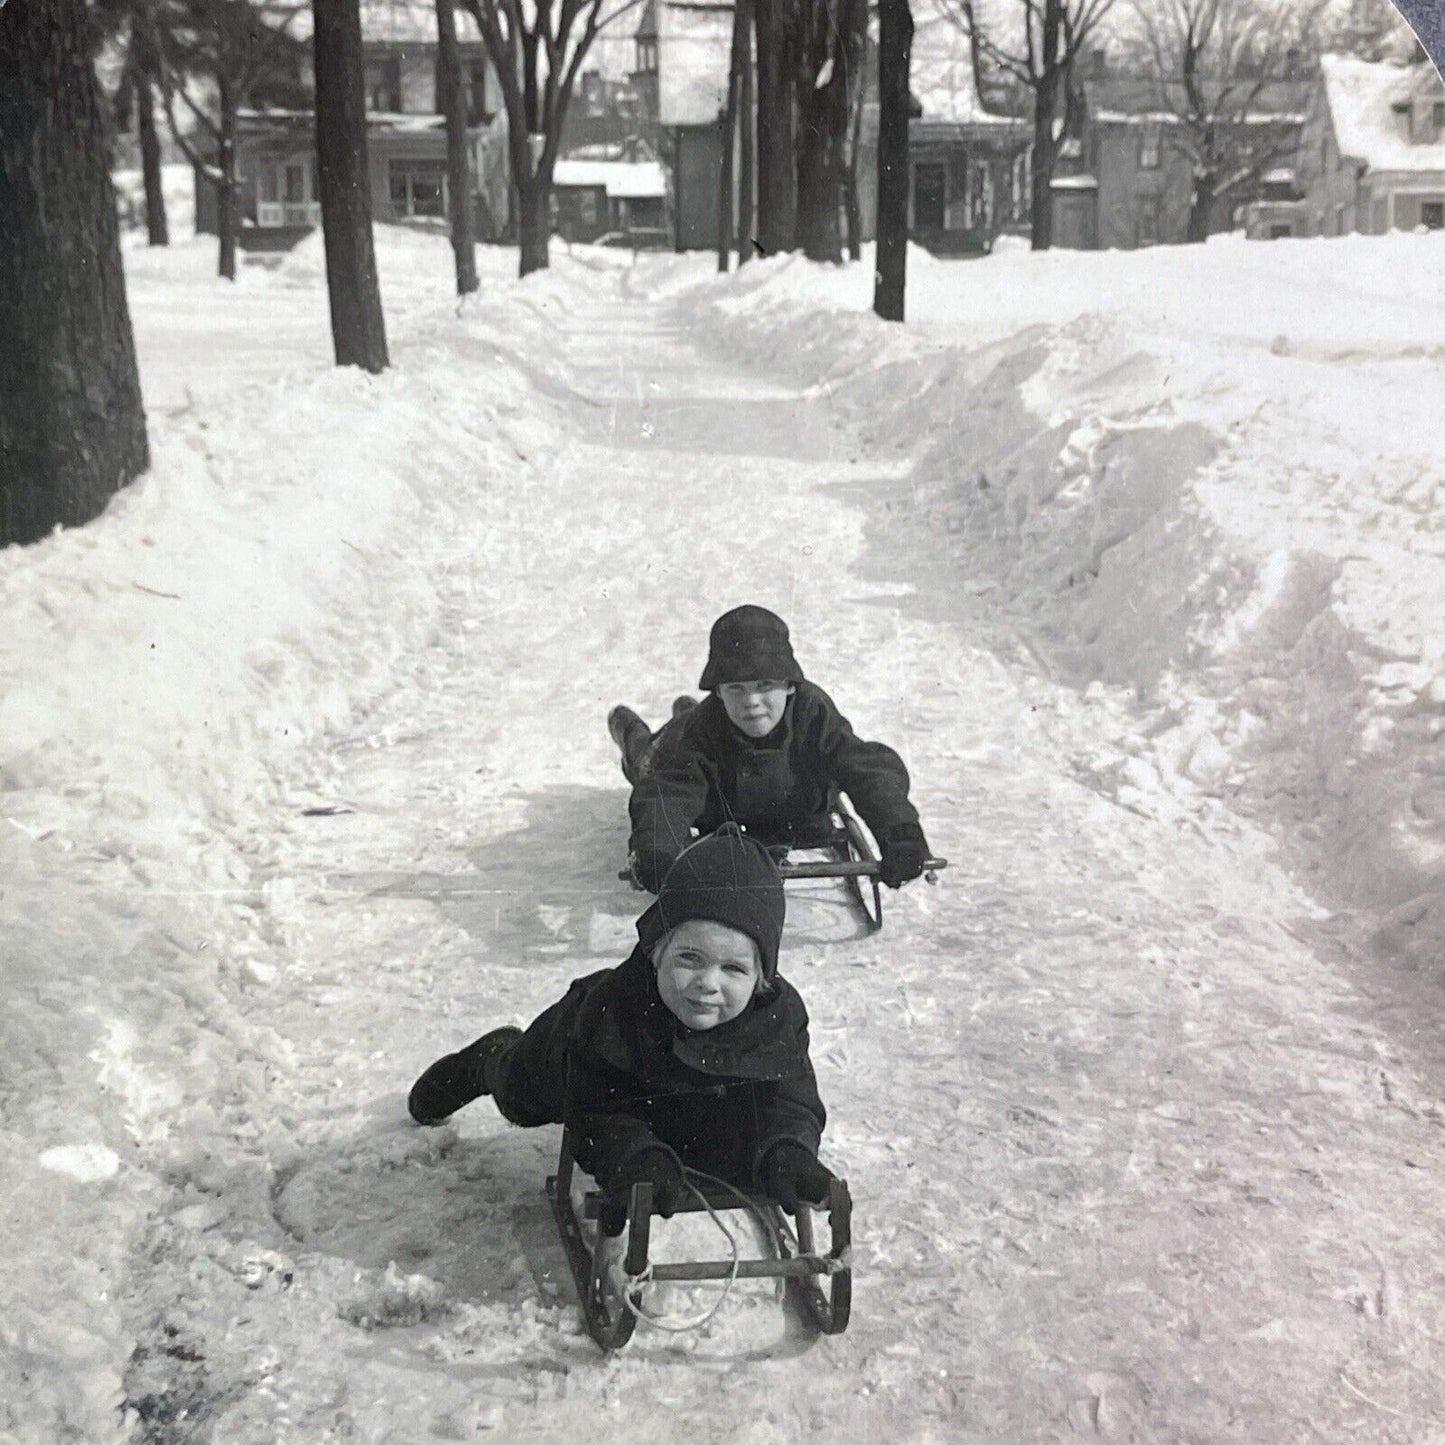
(611, 1314)
(854, 859)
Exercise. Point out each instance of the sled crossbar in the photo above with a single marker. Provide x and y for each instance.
(846, 868)
(824, 1304)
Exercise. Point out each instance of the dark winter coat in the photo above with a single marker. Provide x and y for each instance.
(613, 1063)
(702, 771)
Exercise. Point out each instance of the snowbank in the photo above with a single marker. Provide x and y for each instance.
(164, 672)
(1204, 483)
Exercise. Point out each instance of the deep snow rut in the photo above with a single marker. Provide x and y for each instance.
(1128, 1158)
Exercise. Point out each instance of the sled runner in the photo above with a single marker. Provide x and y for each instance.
(611, 1306)
(854, 859)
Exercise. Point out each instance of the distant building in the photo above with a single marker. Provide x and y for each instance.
(968, 158)
(1372, 156)
(613, 191)
(1125, 178)
(683, 53)
(406, 137)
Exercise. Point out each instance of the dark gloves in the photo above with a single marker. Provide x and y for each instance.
(653, 1164)
(649, 867)
(905, 851)
(789, 1173)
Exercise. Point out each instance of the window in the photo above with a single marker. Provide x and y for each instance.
(418, 188)
(647, 57)
(295, 183)
(587, 208)
(383, 83)
(1432, 215)
(1280, 230)
(1150, 145)
(1147, 228)
(1437, 116)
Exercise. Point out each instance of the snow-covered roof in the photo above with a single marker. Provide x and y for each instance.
(1074, 183)
(1362, 94)
(694, 39)
(1130, 99)
(622, 180)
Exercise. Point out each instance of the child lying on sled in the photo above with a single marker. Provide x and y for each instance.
(691, 1054)
(766, 748)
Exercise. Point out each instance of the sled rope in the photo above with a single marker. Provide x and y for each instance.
(637, 1282)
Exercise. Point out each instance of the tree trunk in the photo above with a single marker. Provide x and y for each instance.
(1050, 83)
(157, 231)
(459, 165)
(72, 428)
(895, 42)
(738, 61)
(777, 176)
(227, 220)
(823, 150)
(533, 225)
(1201, 208)
(1041, 209)
(747, 144)
(853, 209)
(358, 331)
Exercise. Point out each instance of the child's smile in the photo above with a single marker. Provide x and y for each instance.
(707, 973)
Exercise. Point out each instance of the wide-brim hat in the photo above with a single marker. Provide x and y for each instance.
(726, 877)
(747, 644)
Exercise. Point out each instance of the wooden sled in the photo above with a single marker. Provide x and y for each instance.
(611, 1316)
(854, 859)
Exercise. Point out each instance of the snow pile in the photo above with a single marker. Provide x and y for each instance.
(1203, 483)
(164, 675)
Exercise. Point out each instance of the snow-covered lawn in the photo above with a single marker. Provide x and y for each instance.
(304, 778)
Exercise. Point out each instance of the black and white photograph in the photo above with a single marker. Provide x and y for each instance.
(722, 721)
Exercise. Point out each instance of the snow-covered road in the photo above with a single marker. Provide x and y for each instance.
(1132, 1158)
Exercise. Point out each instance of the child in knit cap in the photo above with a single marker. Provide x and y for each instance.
(767, 748)
(691, 1054)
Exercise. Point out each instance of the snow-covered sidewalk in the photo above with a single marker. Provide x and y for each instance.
(1131, 1155)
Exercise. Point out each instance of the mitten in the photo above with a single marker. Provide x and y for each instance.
(653, 1164)
(905, 851)
(649, 867)
(790, 1173)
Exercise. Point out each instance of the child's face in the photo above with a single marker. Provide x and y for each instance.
(755, 708)
(707, 973)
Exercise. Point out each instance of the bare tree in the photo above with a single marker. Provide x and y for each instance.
(830, 53)
(72, 428)
(1222, 73)
(537, 48)
(358, 331)
(124, 22)
(233, 45)
(858, 86)
(895, 43)
(1035, 47)
(453, 83)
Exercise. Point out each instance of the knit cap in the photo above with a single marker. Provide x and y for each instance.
(728, 878)
(747, 644)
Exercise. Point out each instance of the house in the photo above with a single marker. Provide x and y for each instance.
(968, 158)
(406, 137)
(683, 53)
(1372, 156)
(619, 190)
(1125, 176)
